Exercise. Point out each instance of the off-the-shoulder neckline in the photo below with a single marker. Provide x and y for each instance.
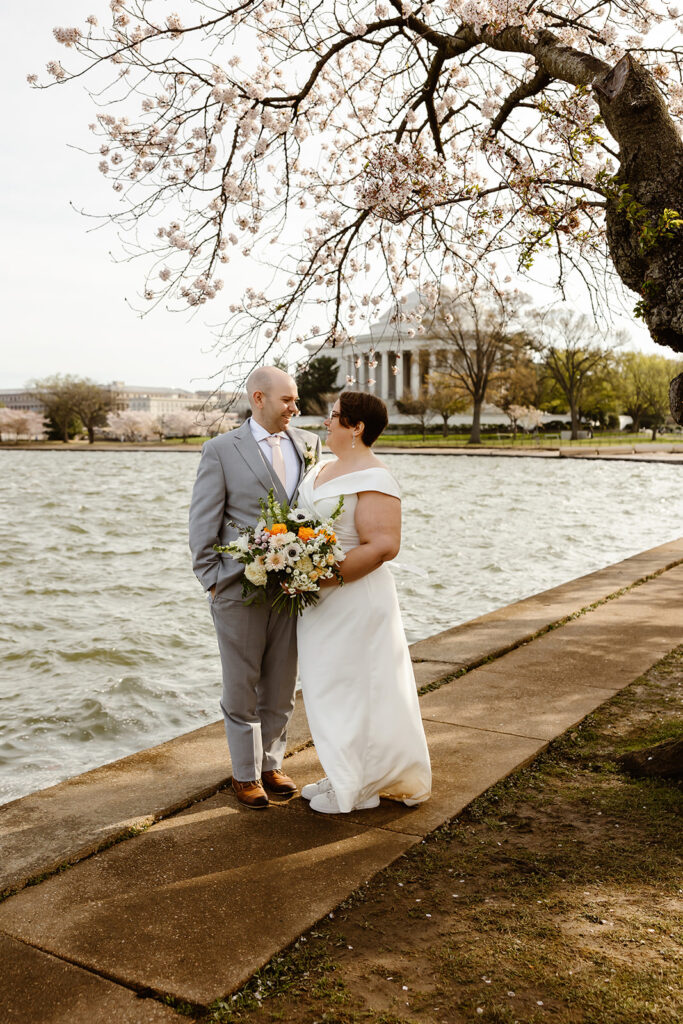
(342, 476)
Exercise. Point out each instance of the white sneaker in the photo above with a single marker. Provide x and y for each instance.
(326, 803)
(315, 788)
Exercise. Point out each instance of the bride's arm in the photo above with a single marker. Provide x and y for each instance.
(378, 522)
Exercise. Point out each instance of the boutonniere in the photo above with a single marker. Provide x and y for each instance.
(310, 456)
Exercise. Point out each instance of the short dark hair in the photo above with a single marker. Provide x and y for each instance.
(359, 407)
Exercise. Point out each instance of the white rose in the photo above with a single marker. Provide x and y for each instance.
(256, 574)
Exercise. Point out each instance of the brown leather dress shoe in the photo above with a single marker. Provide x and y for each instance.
(251, 794)
(277, 782)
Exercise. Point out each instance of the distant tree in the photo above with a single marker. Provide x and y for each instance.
(21, 423)
(214, 421)
(182, 423)
(419, 408)
(572, 356)
(516, 387)
(7, 421)
(657, 373)
(55, 394)
(529, 418)
(478, 331)
(91, 403)
(516, 414)
(131, 425)
(316, 382)
(631, 385)
(157, 428)
(445, 398)
(74, 404)
(599, 402)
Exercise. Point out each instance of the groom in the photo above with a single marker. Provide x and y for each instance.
(257, 645)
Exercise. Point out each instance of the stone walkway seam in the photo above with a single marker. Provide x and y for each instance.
(81, 816)
(196, 904)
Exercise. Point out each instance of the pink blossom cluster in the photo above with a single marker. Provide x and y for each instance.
(400, 181)
(67, 36)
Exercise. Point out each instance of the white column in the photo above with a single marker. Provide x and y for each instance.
(402, 381)
(431, 364)
(378, 374)
(415, 373)
(350, 372)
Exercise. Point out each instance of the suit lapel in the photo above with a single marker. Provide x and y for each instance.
(246, 445)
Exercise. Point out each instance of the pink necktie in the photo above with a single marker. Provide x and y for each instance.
(278, 458)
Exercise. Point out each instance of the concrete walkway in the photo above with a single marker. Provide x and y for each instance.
(194, 905)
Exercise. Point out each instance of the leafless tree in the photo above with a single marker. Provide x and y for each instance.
(477, 333)
(573, 354)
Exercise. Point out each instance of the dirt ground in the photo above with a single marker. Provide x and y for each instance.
(554, 897)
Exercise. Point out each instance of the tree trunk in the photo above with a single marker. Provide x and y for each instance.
(676, 398)
(444, 429)
(663, 761)
(91, 434)
(475, 433)
(651, 168)
(575, 422)
(654, 433)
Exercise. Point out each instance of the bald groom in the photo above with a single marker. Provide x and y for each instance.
(257, 646)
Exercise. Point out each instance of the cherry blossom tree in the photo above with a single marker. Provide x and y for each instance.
(529, 417)
(21, 423)
(515, 413)
(213, 420)
(422, 142)
(131, 425)
(182, 423)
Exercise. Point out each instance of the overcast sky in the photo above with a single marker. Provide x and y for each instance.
(64, 299)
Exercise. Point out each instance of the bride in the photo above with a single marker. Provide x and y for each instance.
(356, 674)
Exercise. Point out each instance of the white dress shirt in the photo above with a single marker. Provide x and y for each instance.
(292, 463)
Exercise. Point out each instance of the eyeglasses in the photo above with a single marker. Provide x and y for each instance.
(332, 415)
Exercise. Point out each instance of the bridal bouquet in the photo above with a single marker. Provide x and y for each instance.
(285, 555)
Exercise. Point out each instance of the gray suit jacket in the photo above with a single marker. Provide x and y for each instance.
(232, 476)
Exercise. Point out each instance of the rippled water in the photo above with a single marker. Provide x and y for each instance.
(106, 641)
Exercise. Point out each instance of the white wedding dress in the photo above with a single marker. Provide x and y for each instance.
(355, 668)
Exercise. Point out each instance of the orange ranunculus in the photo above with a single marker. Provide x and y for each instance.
(331, 537)
(306, 533)
(277, 528)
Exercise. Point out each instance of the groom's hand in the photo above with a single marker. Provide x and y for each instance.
(212, 591)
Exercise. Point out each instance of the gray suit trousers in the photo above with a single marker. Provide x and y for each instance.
(258, 656)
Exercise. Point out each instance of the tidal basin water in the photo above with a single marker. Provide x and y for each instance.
(106, 640)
